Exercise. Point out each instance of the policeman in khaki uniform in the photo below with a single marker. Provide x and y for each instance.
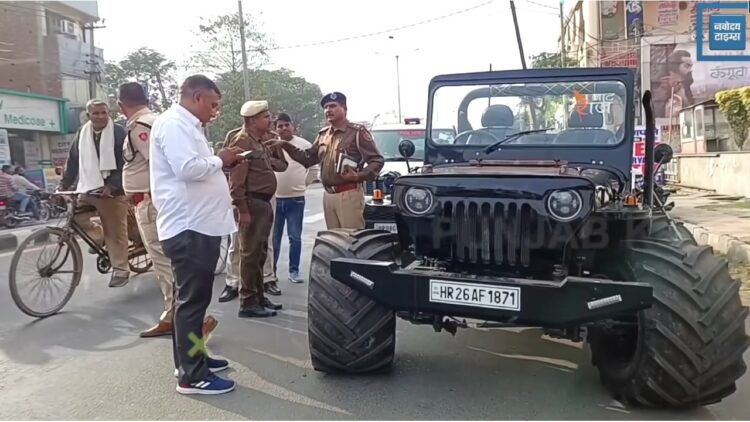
(344, 198)
(135, 175)
(252, 184)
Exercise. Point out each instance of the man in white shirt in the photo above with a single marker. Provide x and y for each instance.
(194, 211)
(133, 104)
(22, 183)
(290, 200)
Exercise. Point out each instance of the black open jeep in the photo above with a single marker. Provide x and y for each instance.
(529, 218)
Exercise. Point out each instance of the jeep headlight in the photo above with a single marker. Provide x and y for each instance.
(418, 200)
(564, 205)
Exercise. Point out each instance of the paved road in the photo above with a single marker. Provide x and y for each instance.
(89, 363)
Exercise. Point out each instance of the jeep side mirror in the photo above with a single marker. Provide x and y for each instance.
(406, 148)
(663, 153)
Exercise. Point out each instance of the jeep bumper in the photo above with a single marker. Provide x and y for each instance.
(570, 302)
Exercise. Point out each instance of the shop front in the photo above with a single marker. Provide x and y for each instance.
(32, 126)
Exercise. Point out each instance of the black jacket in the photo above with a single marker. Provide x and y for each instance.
(114, 181)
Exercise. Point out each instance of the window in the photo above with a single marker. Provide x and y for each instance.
(558, 114)
(699, 122)
(686, 125)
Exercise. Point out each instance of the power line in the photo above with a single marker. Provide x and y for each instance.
(541, 5)
(355, 37)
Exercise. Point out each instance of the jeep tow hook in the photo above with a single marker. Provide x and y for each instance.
(448, 324)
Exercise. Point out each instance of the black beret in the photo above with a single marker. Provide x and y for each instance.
(333, 97)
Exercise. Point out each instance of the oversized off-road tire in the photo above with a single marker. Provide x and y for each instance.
(663, 230)
(348, 332)
(686, 350)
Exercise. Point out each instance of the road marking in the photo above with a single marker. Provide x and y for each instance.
(304, 364)
(552, 361)
(304, 333)
(314, 218)
(292, 312)
(250, 379)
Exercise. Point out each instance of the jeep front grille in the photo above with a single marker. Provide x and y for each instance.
(491, 232)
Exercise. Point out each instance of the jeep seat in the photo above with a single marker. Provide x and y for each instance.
(586, 129)
(497, 119)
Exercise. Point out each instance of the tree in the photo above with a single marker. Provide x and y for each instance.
(285, 93)
(735, 105)
(546, 60)
(149, 68)
(220, 49)
(544, 114)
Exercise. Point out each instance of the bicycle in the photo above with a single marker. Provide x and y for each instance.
(221, 264)
(64, 246)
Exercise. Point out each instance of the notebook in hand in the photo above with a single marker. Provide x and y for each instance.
(345, 161)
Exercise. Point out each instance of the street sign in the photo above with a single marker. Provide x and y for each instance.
(5, 148)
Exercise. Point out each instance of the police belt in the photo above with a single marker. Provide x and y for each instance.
(261, 196)
(341, 188)
(138, 197)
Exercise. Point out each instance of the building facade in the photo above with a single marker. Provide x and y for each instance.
(658, 40)
(48, 71)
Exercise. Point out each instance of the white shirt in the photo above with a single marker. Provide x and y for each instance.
(293, 182)
(188, 188)
(23, 184)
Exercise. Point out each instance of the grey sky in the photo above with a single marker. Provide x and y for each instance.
(363, 69)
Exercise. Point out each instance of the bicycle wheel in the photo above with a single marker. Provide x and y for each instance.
(44, 257)
(138, 260)
(221, 264)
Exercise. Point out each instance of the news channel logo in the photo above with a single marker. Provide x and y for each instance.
(727, 31)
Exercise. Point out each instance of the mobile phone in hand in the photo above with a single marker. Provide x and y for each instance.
(247, 155)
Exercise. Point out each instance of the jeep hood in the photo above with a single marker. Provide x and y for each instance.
(531, 169)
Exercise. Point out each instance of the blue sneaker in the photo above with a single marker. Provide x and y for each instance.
(211, 385)
(214, 365)
(296, 278)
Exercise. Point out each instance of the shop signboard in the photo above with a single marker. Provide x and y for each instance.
(29, 113)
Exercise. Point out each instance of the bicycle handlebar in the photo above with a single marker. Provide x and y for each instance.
(94, 192)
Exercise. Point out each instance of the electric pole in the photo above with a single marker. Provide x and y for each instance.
(93, 71)
(562, 36)
(518, 33)
(398, 88)
(245, 81)
(532, 109)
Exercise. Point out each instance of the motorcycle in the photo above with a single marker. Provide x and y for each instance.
(42, 201)
(10, 216)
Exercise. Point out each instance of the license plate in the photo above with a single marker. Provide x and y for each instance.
(386, 226)
(476, 295)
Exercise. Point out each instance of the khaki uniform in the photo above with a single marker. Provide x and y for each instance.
(343, 202)
(253, 184)
(233, 269)
(137, 186)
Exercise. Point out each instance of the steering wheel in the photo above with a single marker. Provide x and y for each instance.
(482, 131)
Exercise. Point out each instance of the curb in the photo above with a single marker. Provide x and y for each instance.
(9, 241)
(735, 249)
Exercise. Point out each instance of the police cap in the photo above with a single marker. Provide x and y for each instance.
(333, 97)
(253, 108)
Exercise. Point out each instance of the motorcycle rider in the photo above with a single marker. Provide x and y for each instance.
(22, 183)
(9, 190)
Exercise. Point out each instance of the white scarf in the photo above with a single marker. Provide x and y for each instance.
(93, 169)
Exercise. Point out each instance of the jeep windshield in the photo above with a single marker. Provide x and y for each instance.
(552, 114)
(387, 141)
